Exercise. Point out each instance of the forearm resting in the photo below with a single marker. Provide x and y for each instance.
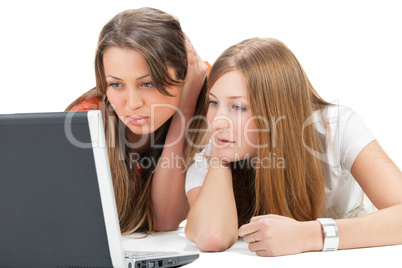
(169, 200)
(380, 228)
(212, 221)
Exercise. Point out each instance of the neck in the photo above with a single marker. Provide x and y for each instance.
(138, 143)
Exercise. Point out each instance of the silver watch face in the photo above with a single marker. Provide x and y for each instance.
(331, 236)
(330, 231)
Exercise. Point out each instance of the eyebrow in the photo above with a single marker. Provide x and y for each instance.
(229, 97)
(138, 78)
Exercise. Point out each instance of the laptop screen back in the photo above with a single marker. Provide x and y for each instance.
(50, 209)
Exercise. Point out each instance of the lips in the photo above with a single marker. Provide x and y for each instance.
(221, 141)
(137, 120)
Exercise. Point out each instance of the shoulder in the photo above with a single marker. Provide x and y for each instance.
(348, 132)
(91, 100)
(335, 112)
(350, 124)
(339, 118)
(88, 104)
(197, 172)
(208, 65)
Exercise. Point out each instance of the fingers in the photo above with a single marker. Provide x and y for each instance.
(189, 45)
(257, 218)
(255, 244)
(193, 58)
(256, 247)
(255, 224)
(261, 217)
(262, 253)
(248, 229)
(252, 238)
(192, 55)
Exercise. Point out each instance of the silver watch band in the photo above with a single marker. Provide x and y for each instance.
(331, 236)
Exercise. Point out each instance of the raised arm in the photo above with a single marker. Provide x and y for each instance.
(169, 200)
(212, 220)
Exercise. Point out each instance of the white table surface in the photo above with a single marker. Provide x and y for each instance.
(240, 256)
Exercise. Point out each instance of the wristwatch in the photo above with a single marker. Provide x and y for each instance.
(331, 236)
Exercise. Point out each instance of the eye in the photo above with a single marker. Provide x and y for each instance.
(115, 85)
(239, 108)
(147, 84)
(212, 103)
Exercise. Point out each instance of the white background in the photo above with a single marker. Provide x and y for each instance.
(351, 50)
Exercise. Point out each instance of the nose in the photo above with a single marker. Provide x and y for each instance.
(134, 100)
(221, 121)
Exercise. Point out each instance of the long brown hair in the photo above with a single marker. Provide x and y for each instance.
(159, 38)
(279, 92)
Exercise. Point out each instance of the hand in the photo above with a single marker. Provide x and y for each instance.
(195, 77)
(217, 161)
(273, 235)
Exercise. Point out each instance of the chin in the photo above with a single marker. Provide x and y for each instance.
(230, 155)
(139, 131)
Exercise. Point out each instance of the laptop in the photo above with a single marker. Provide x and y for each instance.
(57, 205)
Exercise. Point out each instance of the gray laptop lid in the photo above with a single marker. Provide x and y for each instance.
(49, 186)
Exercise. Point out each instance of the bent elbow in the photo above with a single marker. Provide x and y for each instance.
(214, 242)
(210, 239)
(166, 225)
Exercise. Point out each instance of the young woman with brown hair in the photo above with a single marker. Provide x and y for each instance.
(280, 159)
(148, 79)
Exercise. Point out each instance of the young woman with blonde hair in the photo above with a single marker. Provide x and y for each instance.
(148, 79)
(281, 163)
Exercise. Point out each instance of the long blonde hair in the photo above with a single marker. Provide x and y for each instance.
(159, 38)
(277, 88)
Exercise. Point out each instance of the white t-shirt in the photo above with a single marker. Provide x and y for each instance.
(344, 138)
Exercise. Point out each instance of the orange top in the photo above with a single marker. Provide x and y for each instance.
(209, 66)
(87, 104)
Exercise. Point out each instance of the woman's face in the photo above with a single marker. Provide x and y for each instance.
(132, 93)
(233, 130)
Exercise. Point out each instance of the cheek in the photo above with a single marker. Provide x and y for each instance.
(162, 107)
(115, 100)
(109, 95)
(164, 104)
(250, 133)
(210, 116)
(175, 91)
(176, 101)
(159, 99)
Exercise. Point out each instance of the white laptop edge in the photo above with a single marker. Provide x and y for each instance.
(106, 188)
